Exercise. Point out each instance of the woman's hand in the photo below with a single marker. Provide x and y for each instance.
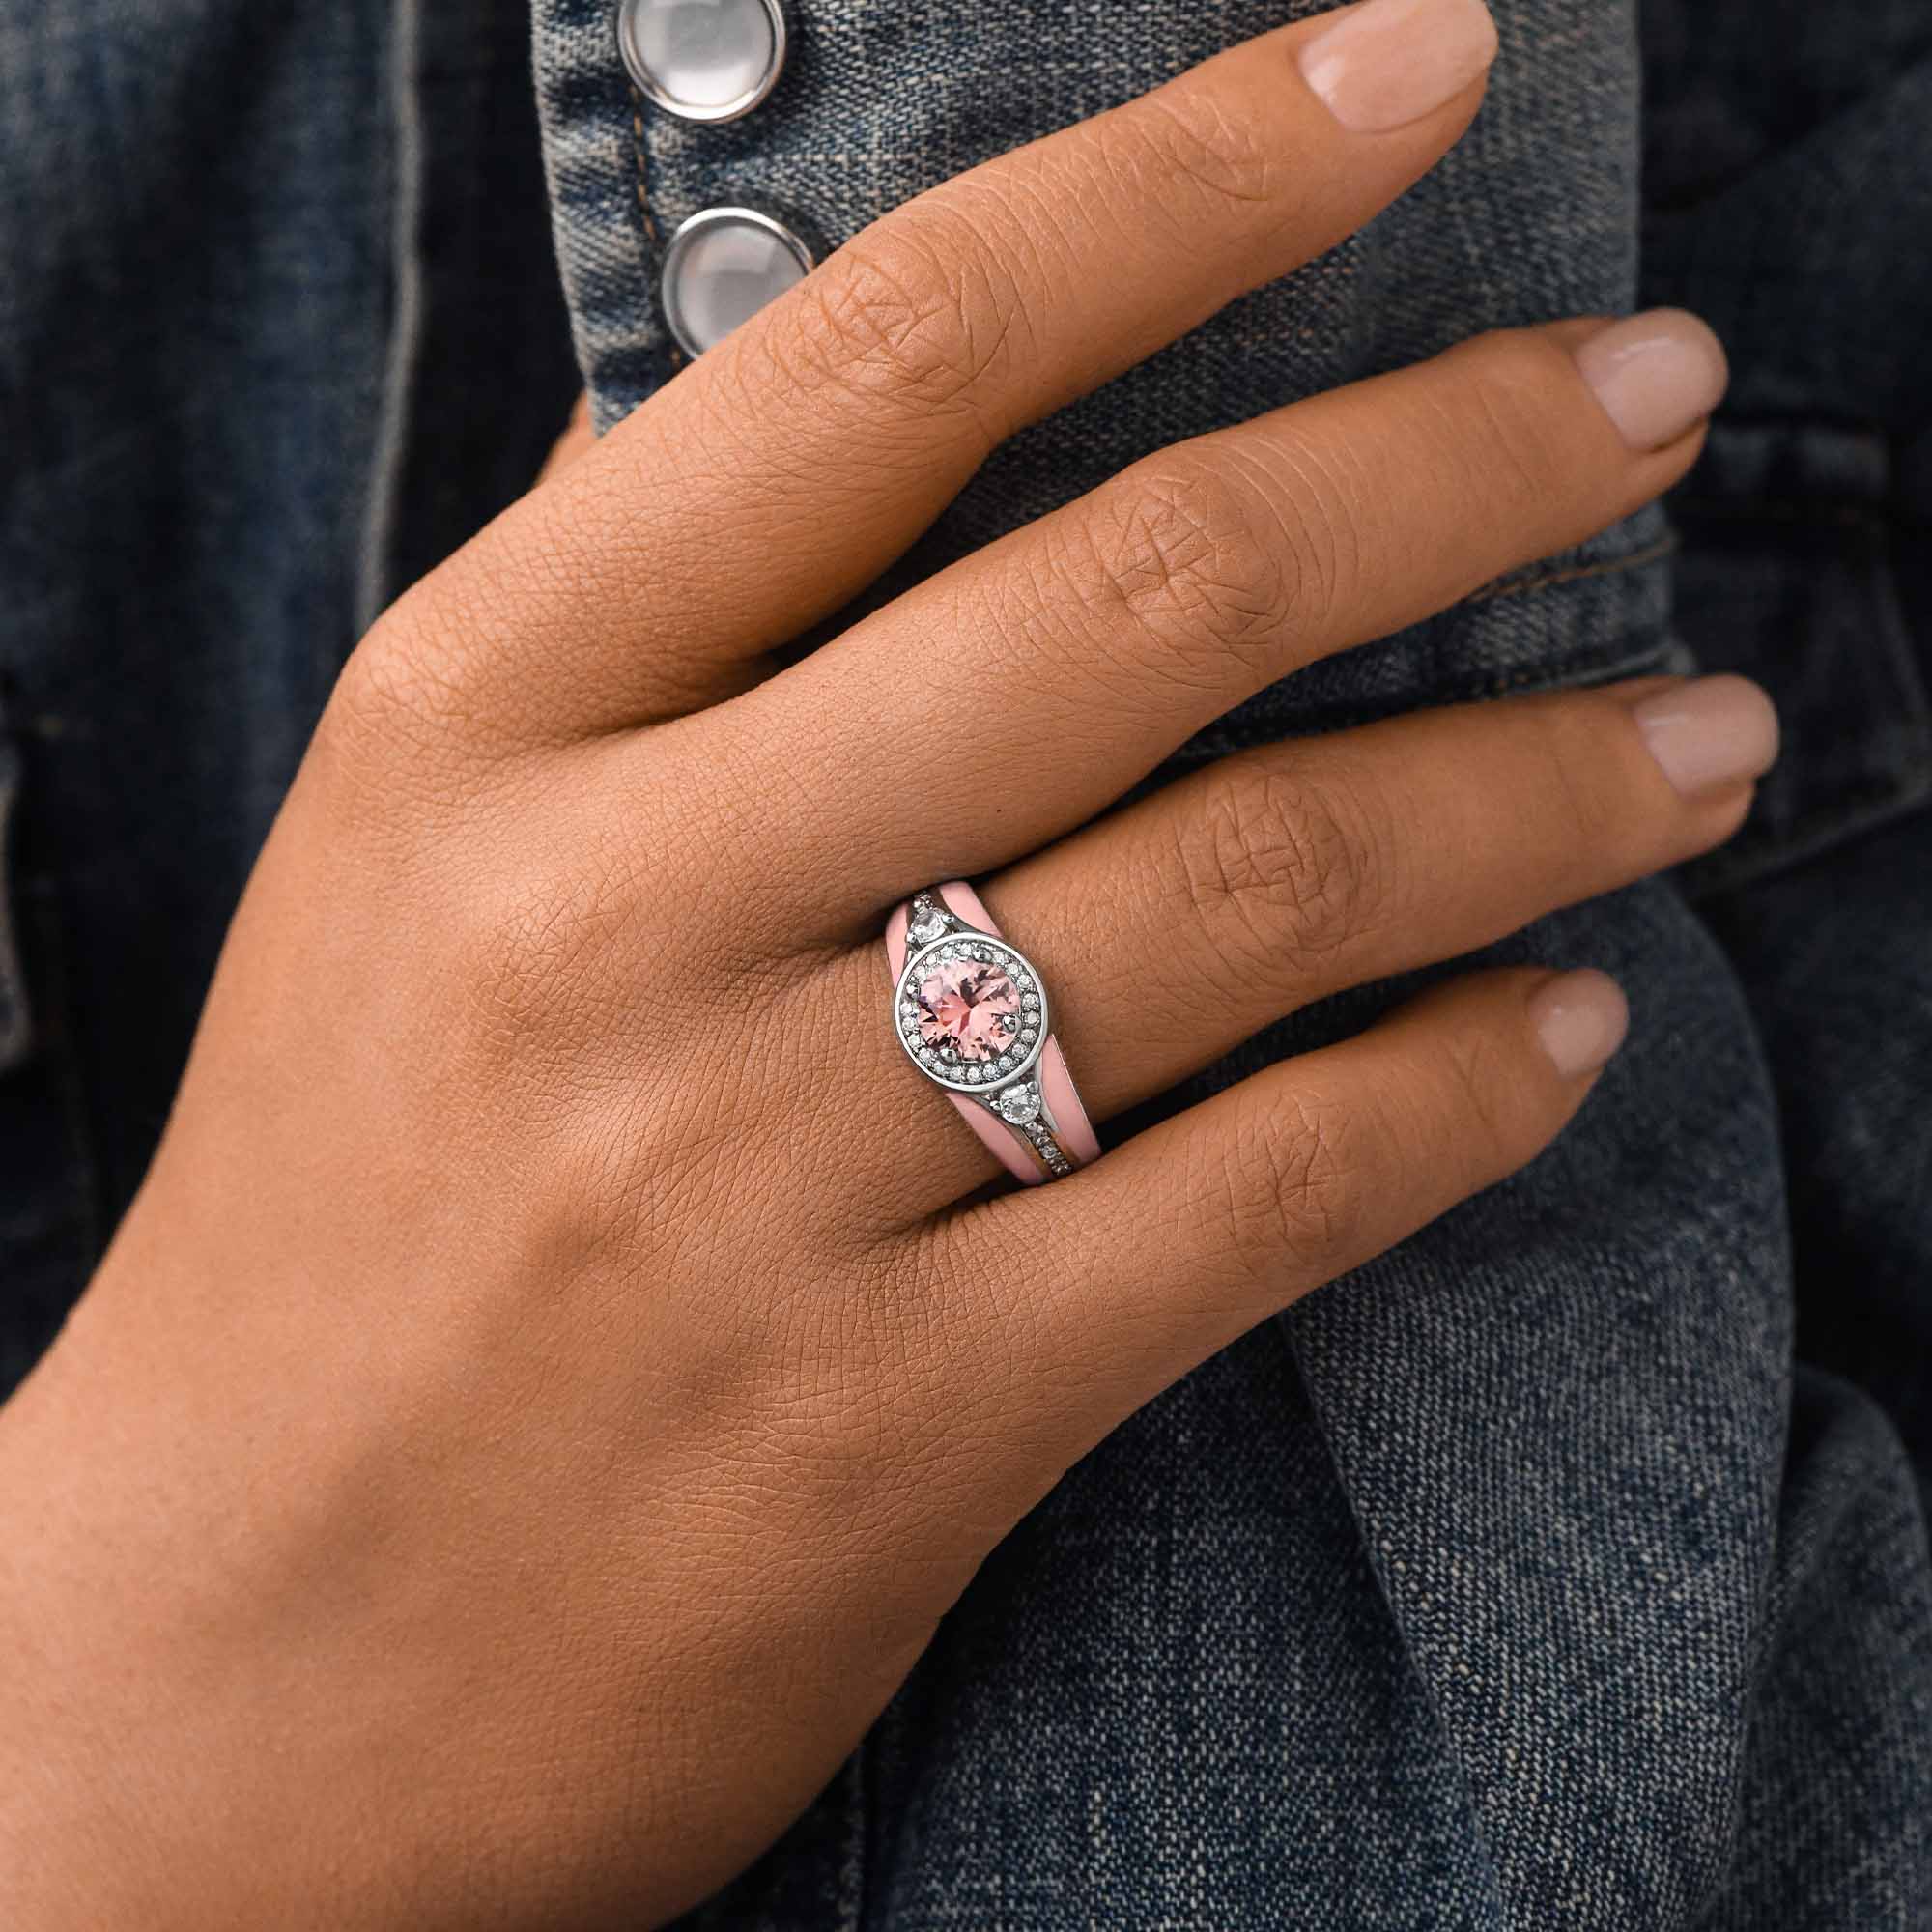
(563, 1362)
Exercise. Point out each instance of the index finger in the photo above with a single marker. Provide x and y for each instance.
(782, 470)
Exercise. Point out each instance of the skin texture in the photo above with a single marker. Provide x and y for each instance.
(562, 1363)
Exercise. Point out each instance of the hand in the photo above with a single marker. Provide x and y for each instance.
(562, 1362)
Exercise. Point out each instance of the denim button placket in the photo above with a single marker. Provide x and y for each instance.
(713, 61)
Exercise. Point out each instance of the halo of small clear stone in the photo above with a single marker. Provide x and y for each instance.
(941, 1066)
(927, 923)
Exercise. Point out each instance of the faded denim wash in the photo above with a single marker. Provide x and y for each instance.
(1532, 1576)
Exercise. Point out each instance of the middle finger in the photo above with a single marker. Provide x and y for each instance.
(1005, 701)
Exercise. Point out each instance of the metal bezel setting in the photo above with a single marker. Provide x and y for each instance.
(734, 109)
(982, 1080)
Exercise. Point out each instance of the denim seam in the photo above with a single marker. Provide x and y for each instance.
(1515, 586)
(1792, 510)
(643, 177)
(1902, 789)
(674, 354)
(587, 111)
(1745, 863)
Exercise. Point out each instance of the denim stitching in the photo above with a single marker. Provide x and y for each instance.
(1513, 586)
(675, 355)
(638, 149)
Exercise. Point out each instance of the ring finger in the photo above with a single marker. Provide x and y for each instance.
(1185, 923)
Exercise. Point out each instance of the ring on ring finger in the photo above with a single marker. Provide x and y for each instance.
(970, 1011)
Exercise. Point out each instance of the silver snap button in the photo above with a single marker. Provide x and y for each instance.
(705, 59)
(722, 267)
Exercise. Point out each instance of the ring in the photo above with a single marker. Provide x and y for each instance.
(972, 1014)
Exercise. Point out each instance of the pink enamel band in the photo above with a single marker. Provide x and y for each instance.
(1041, 1129)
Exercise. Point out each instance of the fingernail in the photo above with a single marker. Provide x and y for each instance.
(1386, 63)
(1581, 1019)
(1655, 374)
(1710, 734)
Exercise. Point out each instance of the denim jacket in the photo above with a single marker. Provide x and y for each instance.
(1565, 1567)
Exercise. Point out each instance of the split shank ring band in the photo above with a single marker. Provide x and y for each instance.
(970, 1011)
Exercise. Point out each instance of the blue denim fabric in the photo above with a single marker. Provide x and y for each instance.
(1789, 189)
(1524, 1578)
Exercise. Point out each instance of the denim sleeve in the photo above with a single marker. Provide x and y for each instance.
(1518, 1579)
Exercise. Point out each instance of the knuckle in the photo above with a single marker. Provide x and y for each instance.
(433, 660)
(911, 315)
(537, 949)
(1278, 866)
(1181, 555)
(578, 931)
(400, 711)
(1290, 1189)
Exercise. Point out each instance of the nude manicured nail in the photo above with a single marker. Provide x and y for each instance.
(1710, 734)
(1581, 1019)
(1655, 374)
(1386, 63)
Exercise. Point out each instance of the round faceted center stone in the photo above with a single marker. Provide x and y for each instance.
(970, 1005)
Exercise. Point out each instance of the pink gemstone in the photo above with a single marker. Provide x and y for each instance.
(970, 1005)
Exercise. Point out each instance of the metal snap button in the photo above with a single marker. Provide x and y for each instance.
(704, 60)
(720, 267)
